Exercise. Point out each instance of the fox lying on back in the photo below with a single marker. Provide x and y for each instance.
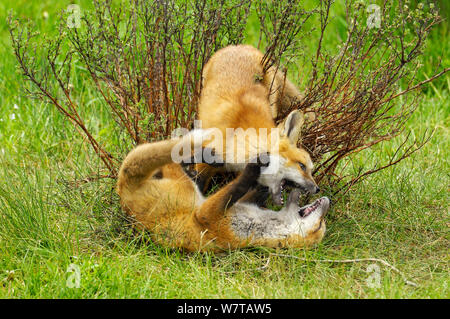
(164, 200)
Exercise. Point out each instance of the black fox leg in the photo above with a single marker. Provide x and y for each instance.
(213, 209)
(245, 182)
(258, 196)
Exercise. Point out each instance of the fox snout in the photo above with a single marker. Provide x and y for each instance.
(314, 189)
(308, 186)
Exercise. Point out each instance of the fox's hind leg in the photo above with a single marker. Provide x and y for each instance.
(146, 159)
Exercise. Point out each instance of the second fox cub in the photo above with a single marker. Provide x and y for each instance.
(236, 94)
(237, 68)
(163, 199)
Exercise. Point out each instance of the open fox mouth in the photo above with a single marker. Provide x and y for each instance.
(289, 183)
(307, 210)
(277, 195)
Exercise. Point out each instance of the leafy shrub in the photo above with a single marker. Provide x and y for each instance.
(145, 58)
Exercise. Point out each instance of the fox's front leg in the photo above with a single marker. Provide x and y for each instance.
(213, 209)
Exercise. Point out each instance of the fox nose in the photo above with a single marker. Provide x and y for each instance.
(317, 190)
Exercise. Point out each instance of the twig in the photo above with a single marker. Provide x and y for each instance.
(252, 269)
(408, 282)
(418, 85)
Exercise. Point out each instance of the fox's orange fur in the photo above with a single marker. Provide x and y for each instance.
(236, 94)
(165, 201)
(237, 68)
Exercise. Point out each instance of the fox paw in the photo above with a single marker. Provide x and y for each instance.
(253, 169)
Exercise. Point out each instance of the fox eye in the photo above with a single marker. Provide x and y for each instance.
(303, 167)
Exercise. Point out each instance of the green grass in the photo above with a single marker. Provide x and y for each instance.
(48, 222)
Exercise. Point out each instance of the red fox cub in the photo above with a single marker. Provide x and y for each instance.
(236, 95)
(163, 199)
(238, 67)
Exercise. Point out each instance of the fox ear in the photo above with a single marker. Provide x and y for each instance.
(292, 126)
